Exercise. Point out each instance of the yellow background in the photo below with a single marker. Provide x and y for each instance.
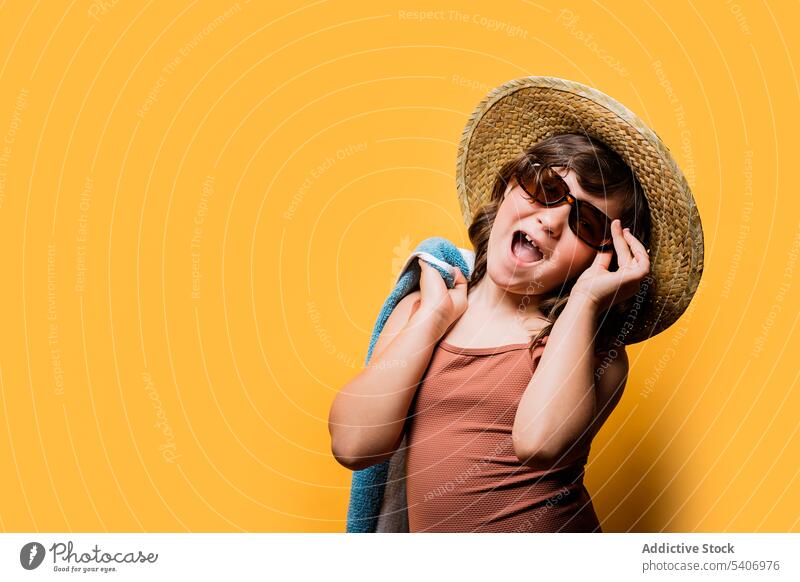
(203, 206)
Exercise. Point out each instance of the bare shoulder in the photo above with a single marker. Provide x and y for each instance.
(611, 375)
(398, 318)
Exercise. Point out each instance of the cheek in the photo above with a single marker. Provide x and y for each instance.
(502, 223)
(575, 257)
(496, 248)
(508, 216)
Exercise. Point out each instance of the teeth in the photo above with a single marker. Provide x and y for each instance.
(527, 238)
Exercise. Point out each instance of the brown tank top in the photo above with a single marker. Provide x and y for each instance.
(462, 474)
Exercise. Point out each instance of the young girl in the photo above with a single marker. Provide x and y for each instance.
(498, 434)
(507, 377)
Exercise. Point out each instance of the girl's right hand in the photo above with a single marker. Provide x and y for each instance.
(440, 306)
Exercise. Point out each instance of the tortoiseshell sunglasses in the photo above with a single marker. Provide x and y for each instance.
(542, 184)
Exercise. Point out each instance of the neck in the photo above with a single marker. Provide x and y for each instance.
(488, 297)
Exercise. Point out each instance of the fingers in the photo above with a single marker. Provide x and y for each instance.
(425, 271)
(460, 279)
(424, 266)
(458, 294)
(431, 282)
(431, 285)
(641, 257)
(624, 255)
(602, 259)
(434, 288)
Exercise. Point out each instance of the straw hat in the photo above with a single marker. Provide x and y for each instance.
(524, 111)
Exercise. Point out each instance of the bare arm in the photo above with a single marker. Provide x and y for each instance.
(367, 416)
(560, 402)
(563, 405)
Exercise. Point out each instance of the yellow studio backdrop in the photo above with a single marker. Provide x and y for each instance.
(203, 206)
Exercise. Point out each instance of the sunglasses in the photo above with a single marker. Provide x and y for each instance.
(542, 184)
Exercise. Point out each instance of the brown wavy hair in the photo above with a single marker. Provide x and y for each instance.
(599, 170)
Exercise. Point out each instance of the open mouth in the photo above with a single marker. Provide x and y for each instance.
(524, 249)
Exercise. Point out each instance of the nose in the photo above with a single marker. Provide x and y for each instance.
(552, 219)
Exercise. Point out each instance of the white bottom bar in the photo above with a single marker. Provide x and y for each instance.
(406, 557)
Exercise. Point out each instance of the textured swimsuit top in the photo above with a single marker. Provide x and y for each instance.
(462, 474)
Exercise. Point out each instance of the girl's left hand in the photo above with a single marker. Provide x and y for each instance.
(606, 288)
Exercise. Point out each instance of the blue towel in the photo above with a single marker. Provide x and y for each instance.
(377, 493)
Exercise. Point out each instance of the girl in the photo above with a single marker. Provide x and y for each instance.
(507, 377)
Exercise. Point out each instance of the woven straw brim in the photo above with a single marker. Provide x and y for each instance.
(524, 111)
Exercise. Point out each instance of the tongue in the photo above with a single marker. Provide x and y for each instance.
(525, 251)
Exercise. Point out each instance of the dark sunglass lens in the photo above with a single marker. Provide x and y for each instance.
(527, 180)
(551, 186)
(591, 225)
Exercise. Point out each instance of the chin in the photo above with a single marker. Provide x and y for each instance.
(513, 283)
